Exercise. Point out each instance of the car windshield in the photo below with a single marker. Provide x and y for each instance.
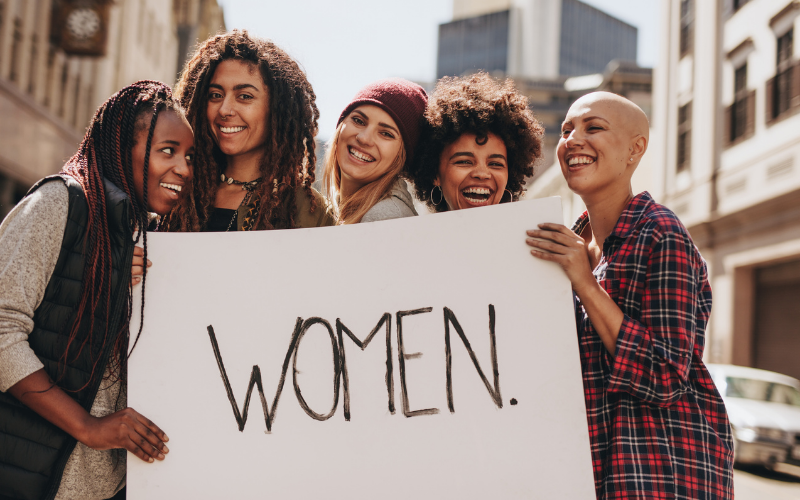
(761, 390)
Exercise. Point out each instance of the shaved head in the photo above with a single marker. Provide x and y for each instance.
(626, 115)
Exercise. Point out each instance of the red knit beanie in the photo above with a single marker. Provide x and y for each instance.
(405, 102)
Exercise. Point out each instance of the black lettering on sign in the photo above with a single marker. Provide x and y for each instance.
(386, 319)
(255, 379)
(340, 367)
(336, 369)
(450, 318)
(402, 357)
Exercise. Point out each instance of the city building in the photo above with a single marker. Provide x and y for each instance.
(727, 161)
(196, 20)
(536, 39)
(61, 59)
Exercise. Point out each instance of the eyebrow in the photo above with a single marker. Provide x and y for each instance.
(497, 155)
(235, 87)
(379, 123)
(587, 119)
(462, 153)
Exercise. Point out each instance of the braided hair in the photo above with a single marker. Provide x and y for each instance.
(289, 158)
(106, 153)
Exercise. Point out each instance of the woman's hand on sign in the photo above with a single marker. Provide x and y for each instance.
(137, 267)
(557, 243)
(126, 429)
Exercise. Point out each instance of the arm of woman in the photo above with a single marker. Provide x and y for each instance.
(124, 429)
(557, 243)
(30, 242)
(650, 357)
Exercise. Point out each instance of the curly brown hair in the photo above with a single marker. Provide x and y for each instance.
(289, 158)
(476, 104)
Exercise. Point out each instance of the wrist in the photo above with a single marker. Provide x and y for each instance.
(83, 428)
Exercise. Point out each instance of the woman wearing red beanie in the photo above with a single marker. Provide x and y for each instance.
(374, 140)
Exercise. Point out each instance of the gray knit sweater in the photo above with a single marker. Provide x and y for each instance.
(30, 241)
(398, 204)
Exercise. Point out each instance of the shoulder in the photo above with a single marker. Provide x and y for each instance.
(388, 208)
(47, 200)
(322, 214)
(661, 231)
(397, 205)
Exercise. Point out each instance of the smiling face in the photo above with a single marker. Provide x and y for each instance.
(238, 109)
(369, 142)
(170, 165)
(602, 140)
(473, 171)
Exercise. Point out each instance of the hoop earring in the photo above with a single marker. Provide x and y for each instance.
(510, 196)
(441, 195)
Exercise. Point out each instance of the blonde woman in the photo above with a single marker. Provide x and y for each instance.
(374, 140)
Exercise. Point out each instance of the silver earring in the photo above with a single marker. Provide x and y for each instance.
(510, 196)
(631, 159)
(441, 195)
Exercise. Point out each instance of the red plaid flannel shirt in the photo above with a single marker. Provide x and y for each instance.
(657, 424)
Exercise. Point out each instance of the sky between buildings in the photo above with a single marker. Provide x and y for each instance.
(346, 44)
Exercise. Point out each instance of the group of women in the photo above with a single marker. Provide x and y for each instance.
(68, 251)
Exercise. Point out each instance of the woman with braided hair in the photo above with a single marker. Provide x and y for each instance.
(255, 117)
(66, 252)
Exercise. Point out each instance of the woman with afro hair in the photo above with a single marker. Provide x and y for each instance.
(255, 118)
(478, 143)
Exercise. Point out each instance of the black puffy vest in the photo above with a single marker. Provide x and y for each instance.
(33, 452)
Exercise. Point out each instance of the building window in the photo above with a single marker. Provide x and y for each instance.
(684, 137)
(783, 90)
(740, 116)
(738, 4)
(687, 26)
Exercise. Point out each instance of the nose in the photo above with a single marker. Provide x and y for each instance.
(364, 136)
(573, 139)
(183, 168)
(226, 108)
(481, 171)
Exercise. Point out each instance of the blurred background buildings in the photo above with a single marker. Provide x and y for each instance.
(726, 96)
(61, 59)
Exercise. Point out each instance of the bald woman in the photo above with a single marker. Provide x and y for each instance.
(657, 424)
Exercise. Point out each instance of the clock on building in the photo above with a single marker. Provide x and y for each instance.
(80, 27)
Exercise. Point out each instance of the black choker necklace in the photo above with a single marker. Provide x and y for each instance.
(249, 185)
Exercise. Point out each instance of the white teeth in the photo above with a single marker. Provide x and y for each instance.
(173, 187)
(360, 156)
(580, 160)
(231, 130)
(477, 190)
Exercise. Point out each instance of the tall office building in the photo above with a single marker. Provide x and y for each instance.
(532, 39)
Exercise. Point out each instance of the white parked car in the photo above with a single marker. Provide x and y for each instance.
(764, 410)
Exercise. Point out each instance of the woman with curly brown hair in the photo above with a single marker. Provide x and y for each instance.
(478, 143)
(374, 139)
(255, 118)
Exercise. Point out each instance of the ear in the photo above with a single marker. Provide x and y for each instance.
(638, 147)
(436, 181)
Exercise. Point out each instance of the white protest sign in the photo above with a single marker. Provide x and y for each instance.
(427, 357)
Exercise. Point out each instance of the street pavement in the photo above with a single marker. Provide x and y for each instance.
(754, 483)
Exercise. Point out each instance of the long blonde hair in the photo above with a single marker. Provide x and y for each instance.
(352, 209)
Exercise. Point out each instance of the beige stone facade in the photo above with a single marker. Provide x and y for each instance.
(47, 97)
(725, 103)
